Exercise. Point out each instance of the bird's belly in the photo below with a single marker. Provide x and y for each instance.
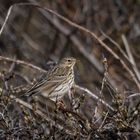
(59, 92)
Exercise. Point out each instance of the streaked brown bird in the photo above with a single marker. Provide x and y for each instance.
(57, 82)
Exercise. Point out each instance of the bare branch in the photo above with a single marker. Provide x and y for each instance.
(131, 57)
(133, 95)
(22, 63)
(94, 96)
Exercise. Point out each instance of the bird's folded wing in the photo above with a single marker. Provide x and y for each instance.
(46, 84)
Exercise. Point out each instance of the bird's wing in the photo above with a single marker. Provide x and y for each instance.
(46, 84)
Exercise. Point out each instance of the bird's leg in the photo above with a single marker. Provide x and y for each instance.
(70, 94)
(75, 102)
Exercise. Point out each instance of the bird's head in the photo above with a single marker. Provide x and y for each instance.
(68, 61)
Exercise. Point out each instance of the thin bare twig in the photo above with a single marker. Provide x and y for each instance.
(94, 96)
(6, 19)
(133, 95)
(116, 44)
(22, 62)
(104, 120)
(131, 57)
(102, 86)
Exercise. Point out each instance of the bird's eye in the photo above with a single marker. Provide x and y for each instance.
(68, 60)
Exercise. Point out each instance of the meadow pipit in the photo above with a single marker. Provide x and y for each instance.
(58, 80)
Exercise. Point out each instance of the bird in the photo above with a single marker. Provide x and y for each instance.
(57, 81)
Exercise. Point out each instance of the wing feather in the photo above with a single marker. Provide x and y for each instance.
(48, 85)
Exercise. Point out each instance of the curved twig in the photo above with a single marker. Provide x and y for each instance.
(94, 96)
(22, 62)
